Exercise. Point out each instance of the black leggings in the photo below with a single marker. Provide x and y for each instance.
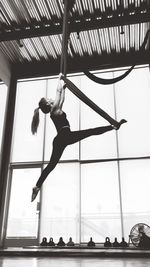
(64, 138)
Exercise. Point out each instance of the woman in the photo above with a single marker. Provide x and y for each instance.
(64, 135)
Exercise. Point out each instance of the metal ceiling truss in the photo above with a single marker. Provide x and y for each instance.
(46, 27)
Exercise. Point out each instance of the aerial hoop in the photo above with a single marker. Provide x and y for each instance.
(101, 80)
(116, 79)
(107, 81)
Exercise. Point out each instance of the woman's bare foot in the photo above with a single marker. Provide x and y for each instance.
(35, 191)
(117, 126)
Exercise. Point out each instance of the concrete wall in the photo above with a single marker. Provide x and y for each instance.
(5, 69)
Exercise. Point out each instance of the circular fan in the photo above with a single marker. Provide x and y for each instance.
(137, 232)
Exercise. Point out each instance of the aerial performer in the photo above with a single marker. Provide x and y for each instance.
(64, 135)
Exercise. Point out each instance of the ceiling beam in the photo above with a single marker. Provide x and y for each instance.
(81, 64)
(83, 23)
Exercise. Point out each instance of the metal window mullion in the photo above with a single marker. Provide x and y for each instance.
(80, 185)
(6, 149)
(7, 203)
(44, 138)
(118, 166)
(42, 166)
(14, 124)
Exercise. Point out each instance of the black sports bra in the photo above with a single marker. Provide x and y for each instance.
(60, 121)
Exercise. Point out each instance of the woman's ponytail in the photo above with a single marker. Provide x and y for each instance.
(35, 121)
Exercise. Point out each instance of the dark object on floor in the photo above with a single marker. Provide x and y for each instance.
(107, 242)
(61, 242)
(70, 243)
(123, 243)
(51, 242)
(91, 243)
(116, 243)
(44, 242)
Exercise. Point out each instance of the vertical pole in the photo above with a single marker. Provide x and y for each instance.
(119, 176)
(6, 149)
(80, 182)
(42, 167)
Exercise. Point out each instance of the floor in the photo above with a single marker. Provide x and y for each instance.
(77, 257)
(76, 252)
(71, 262)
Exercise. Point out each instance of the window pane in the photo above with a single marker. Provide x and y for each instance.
(60, 203)
(135, 193)
(71, 107)
(100, 201)
(3, 95)
(102, 146)
(22, 217)
(28, 147)
(133, 104)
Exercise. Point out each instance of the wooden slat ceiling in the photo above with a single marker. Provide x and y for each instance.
(104, 34)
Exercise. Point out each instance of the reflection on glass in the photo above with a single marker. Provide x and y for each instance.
(23, 217)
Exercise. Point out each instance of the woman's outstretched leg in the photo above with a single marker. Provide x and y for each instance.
(77, 136)
(55, 157)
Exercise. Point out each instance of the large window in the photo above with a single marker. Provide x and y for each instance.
(101, 185)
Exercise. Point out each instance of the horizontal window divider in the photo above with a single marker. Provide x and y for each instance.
(20, 165)
(113, 159)
(39, 164)
(35, 164)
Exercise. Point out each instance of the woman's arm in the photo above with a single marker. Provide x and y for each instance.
(60, 95)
